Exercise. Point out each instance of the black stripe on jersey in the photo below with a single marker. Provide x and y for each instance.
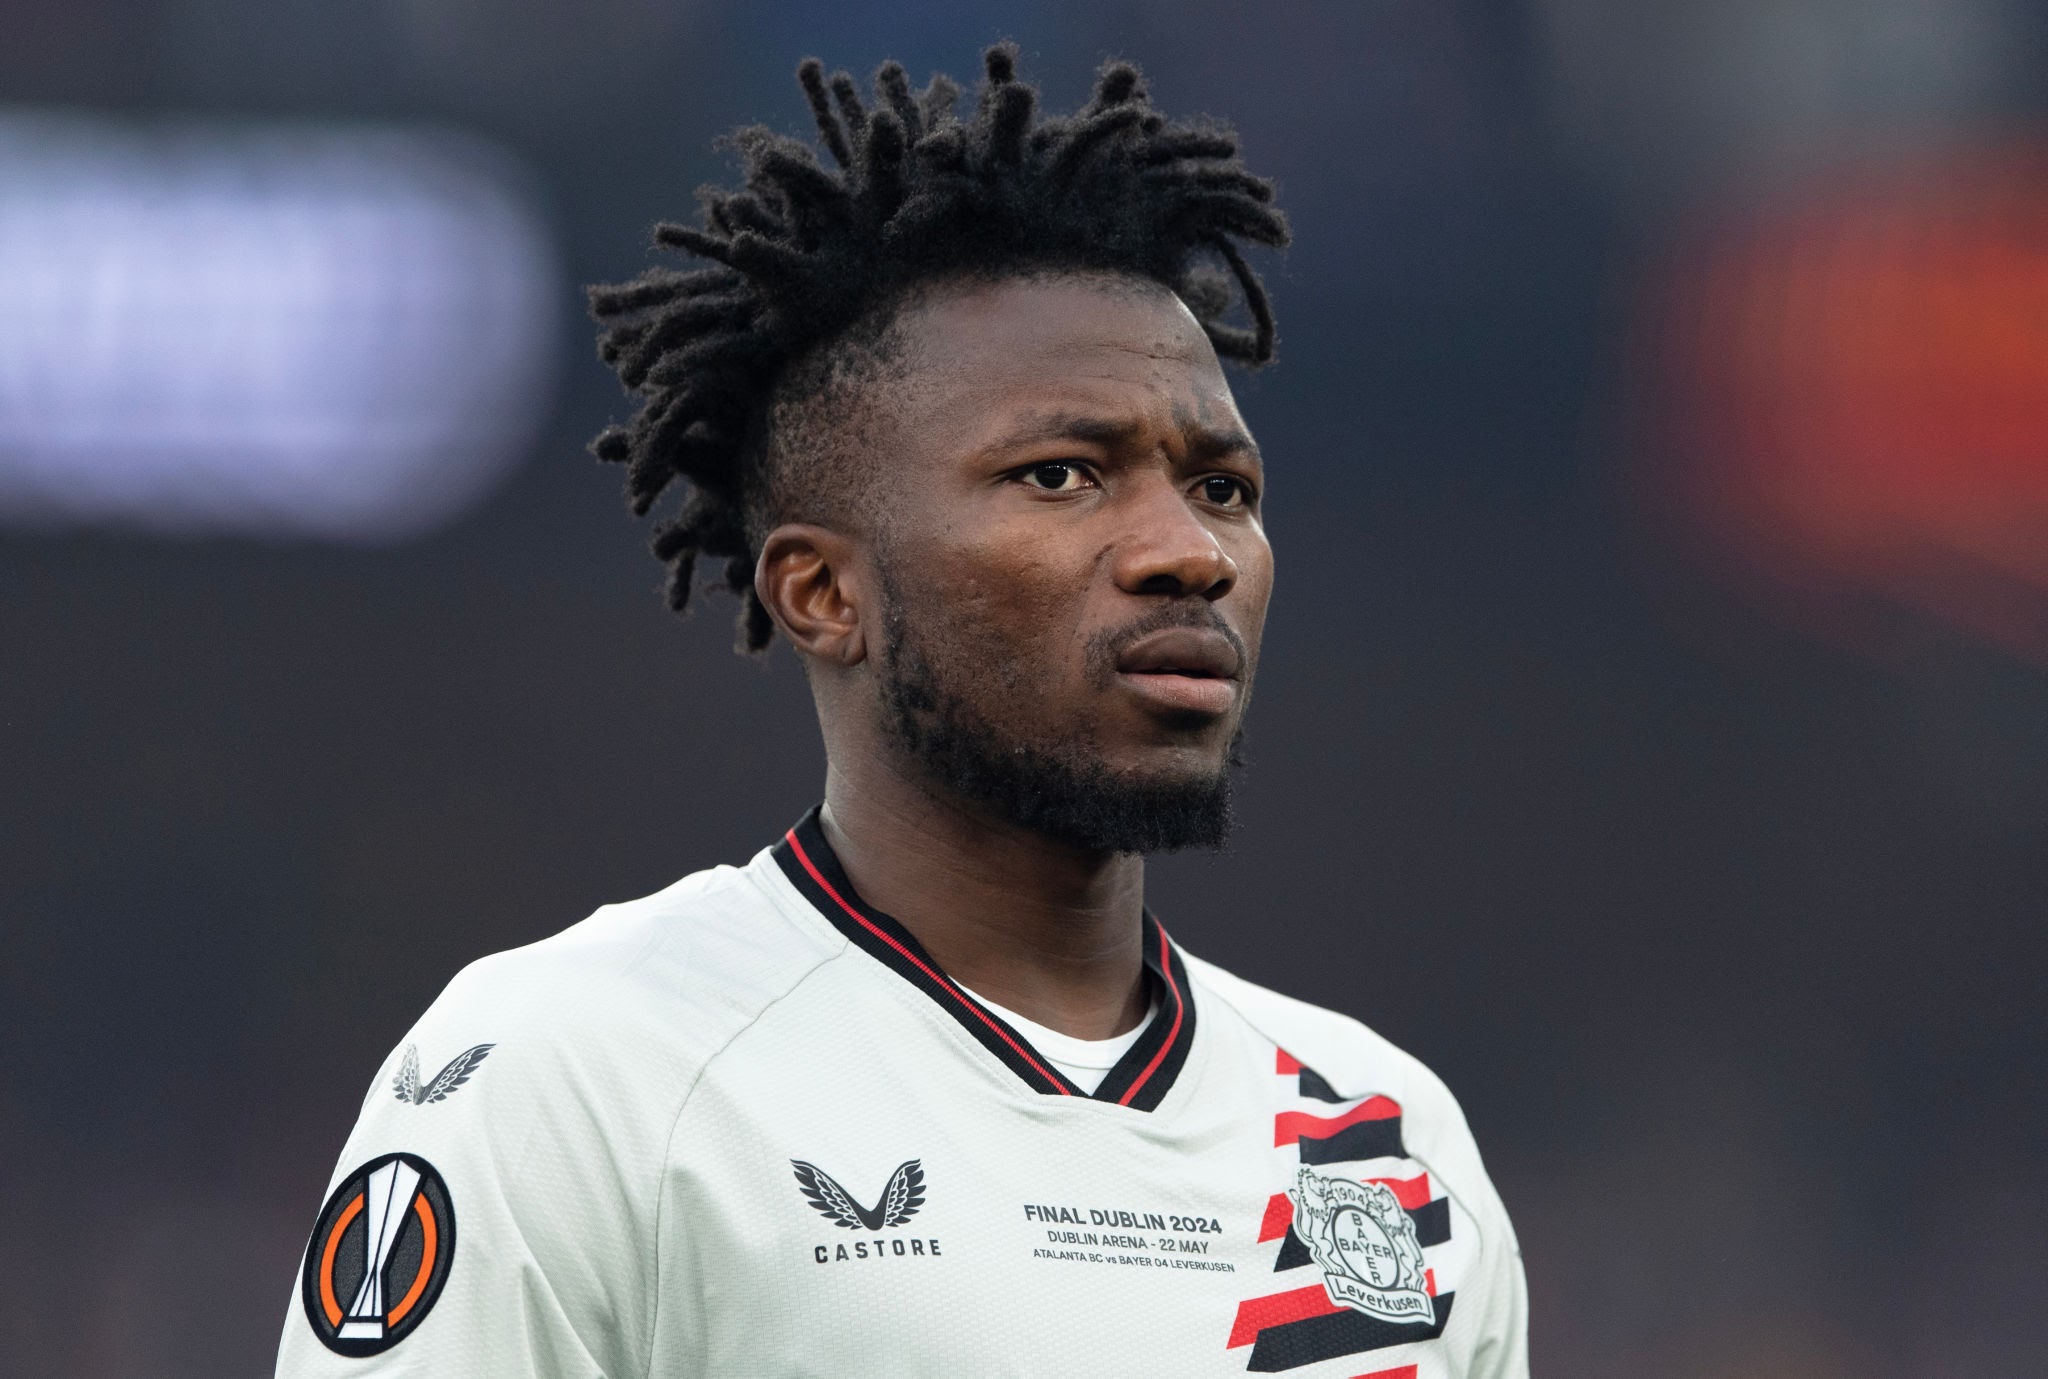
(1432, 1222)
(1369, 1139)
(1313, 1085)
(1292, 1344)
(1140, 1079)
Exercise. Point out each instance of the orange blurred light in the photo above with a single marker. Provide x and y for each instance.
(1850, 397)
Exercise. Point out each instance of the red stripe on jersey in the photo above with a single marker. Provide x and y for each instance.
(869, 925)
(1411, 1193)
(1290, 1126)
(1429, 1282)
(1404, 1372)
(1166, 969)
(1256, 1314)
(1279, 1216)
(1286, 1065)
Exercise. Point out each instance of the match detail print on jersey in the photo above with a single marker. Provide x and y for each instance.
(379, 1255)
(1141, 1078)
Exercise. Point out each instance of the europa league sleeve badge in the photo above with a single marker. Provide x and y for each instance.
(379, 1255)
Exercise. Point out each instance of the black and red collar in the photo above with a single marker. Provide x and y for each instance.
(1140, 1079)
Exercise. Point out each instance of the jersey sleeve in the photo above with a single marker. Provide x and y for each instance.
(1491, 1318)
(1505, 1353)
(492, 1212)
(1501, 1348)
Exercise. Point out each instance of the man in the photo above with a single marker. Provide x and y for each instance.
(923, 1088)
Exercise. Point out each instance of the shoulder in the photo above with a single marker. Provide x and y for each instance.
(1348, 1072)
(1354, 1061)
(540, 1092)
(1351, 1056)
(677, 973)
(591, 1041)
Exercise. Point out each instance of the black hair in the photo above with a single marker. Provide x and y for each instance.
(803, 254)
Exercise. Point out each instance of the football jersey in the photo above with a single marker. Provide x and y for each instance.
(747, 1127)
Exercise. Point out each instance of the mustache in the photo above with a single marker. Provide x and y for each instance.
(1104, 648)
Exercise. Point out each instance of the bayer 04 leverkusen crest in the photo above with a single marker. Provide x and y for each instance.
(1365, 1245)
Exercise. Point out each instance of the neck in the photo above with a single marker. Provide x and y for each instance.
(1052, 932)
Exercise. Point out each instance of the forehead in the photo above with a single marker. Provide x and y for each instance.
(977, 353)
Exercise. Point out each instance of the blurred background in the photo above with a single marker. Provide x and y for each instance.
(1654, 728)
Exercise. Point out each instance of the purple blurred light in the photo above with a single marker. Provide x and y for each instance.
(291, 330)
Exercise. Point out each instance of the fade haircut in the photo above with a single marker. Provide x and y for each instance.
(810, 266)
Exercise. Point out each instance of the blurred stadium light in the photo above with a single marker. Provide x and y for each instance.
(1846, 397)
(290, 330)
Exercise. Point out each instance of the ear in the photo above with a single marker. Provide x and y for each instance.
(810, 579)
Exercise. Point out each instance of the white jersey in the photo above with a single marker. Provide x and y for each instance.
(747, 1127)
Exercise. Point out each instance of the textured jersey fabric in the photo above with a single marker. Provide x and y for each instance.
(746, 1127)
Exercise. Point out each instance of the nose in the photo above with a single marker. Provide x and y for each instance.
(1168, 549)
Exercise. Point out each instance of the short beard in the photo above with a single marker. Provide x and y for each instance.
(1062, 792)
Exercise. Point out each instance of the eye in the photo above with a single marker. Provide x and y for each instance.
(1055, 476)
(1227, 491)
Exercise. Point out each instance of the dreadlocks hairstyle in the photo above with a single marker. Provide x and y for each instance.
(802, 253)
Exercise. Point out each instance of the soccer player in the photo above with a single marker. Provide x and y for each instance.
(924, 1088)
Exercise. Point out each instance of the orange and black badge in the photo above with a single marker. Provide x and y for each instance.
(379, 1255)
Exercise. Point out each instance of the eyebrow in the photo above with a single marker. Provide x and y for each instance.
(1204, 442)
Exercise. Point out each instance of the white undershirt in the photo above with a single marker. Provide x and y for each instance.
(1083, 1062)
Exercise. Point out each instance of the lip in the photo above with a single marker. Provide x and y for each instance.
(1199, 653)
(1183, 670)
(1181, 693)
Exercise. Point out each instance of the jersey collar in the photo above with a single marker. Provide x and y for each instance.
(1140, 1079)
